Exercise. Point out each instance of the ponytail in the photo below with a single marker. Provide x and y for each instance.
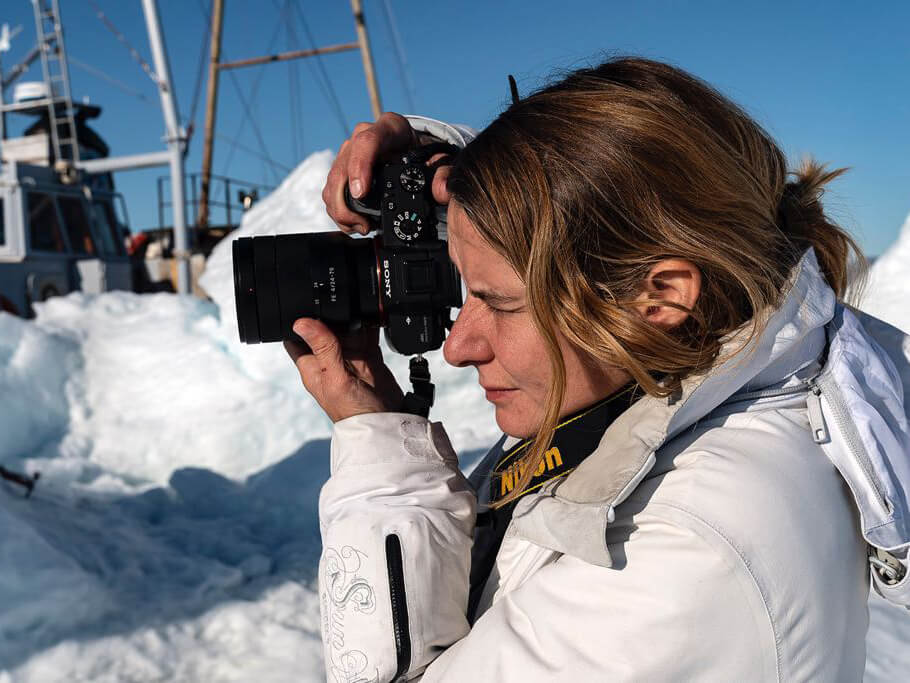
(802, 219)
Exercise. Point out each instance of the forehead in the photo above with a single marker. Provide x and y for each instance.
(480, 265)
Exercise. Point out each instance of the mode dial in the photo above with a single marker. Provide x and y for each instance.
(407, 226)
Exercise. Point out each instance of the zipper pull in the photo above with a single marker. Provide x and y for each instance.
(816, 417)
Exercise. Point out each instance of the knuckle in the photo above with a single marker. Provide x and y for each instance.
(332, 180)
(366, 138)
(393, 119)
(362, 126)
(328, 350)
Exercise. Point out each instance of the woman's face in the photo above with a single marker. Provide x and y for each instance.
(495, 333)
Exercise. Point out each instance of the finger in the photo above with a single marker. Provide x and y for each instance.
(390, 132)
(346, 219)
(295, 350)
(362, 126)
(326, 356)
(333, 195)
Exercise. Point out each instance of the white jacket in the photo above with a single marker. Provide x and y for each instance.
(717, 535)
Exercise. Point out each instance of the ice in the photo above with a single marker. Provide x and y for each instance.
(887, 288)
(173, 533)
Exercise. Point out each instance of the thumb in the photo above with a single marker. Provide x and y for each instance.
(324, 344)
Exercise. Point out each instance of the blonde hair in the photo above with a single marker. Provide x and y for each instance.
(586, 184)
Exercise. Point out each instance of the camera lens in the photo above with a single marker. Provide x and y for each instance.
(245, 290)
(278, 279)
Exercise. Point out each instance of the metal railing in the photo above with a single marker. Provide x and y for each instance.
(229, 198)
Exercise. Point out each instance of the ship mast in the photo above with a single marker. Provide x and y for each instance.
(215, 67)
(176, 143)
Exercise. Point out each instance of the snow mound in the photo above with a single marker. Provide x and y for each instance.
(173, 534)
(204, 579)
(886, 294)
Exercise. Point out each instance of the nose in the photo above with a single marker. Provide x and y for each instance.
(468, 342)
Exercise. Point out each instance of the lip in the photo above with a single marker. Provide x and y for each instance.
(494, 394)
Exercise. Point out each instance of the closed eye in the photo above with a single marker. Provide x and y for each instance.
(505, 310)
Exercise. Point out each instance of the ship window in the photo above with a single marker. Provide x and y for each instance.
(106, 228)
(43, 224)
(77, 228)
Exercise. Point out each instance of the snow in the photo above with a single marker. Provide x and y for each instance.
(887, 286)
(173, 533)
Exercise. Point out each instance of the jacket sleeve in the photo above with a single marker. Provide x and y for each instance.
(453, 133)
(675, 606)
(397, 519)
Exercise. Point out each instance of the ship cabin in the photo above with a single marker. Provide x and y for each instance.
(61, 230)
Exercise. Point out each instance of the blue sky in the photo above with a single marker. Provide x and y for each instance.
(830, 79)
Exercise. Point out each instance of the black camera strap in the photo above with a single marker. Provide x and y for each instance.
(420, 400)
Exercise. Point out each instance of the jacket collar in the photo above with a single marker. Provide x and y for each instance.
(583, 502)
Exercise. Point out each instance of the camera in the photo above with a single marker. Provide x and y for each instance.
(402, 279)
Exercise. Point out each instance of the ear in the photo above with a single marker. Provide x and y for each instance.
(675, 281)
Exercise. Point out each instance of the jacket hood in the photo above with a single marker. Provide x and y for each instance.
(810, 343)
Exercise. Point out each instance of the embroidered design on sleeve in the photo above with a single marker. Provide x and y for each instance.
(343, 589)
(351, 667)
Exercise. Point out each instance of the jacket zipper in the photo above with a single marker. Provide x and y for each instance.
(820, 429)
(847, 431)
(399, 602)
(768, 393)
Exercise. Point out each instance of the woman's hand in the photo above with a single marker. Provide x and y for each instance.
(346, 376)
(353, 166)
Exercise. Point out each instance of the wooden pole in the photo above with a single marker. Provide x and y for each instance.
(210, 106)
(364, 42)
(284, 56)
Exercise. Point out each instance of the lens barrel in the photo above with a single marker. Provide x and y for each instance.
(245, 290)
(348, 284)
(278, 279)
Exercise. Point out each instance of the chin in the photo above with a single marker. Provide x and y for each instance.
(516, 423)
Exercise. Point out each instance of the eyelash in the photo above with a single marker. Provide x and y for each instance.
(498, 311)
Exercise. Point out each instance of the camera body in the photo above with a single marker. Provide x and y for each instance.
(416, 277)
(401, 279)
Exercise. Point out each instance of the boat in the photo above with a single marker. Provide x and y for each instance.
(61, 228)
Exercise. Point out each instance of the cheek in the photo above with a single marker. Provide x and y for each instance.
(523, 353)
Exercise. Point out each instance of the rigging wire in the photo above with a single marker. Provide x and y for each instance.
(293, 103)
(246, 107)
(98, 73)
(327, 88)
(253, 92)
(133, 51)
(294, 99)
(400, 56)
(249, 115)
(200, 69)
(297, 118)
(253, 152)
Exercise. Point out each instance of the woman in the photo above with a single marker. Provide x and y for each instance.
(652, 308)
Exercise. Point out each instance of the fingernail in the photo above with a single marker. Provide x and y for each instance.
(356, 187)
